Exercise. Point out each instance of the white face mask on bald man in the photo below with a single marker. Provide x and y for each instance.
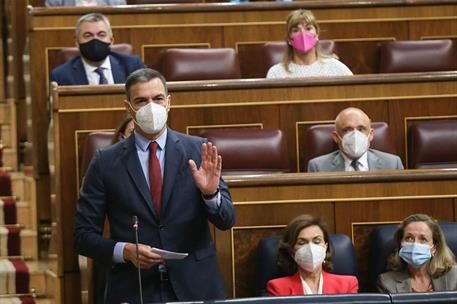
(355, 144)
(151, 118)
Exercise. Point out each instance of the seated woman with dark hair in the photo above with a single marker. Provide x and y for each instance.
(305, 251)
(422, 260)
(124, 129)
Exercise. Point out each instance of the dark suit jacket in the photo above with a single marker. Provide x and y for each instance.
(334, 161)
(115, 186)
(400, 281)
(333, 284)
(72, 72)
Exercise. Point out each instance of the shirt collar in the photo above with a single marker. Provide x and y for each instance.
(106, 65)
(143, 142)
(363, 161)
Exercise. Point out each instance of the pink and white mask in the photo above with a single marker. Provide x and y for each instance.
(303, 42)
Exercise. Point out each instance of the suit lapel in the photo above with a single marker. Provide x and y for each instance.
(79, 72)
(296, 285)
(374, 162)
(174, 156)
(132, 163)
(440, 283)
(403, 282)
(117, 70)
(338, 162)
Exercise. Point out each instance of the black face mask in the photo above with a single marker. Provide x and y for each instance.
(94, 50)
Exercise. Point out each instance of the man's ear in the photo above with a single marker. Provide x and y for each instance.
(371, 135)
(127, 106)
(168, 103)
(336, 137)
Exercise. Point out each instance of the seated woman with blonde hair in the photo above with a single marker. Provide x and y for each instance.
(304, 57)
(422, 261)
(305, 251)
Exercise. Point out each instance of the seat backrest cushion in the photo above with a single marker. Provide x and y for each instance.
(250, 150)
(180, 64)
(93, 141)
(418, 56)
(432, 144)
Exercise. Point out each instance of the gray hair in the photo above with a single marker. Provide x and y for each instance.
(93, 17)
(143, 75)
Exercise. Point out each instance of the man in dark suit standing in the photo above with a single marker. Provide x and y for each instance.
(172, 182)
(97, 64)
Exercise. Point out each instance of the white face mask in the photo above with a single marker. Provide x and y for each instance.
(310, 256)
(354, 144)
(151, 118)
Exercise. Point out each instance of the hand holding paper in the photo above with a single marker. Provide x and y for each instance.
(169, 255)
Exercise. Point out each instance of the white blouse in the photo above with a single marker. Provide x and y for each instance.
(307, 289)
(322, 67)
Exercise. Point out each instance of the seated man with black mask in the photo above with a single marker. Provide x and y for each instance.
(97, 64)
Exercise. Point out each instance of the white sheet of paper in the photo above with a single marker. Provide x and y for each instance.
(169, 255)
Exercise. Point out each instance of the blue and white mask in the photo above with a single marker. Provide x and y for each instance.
(415, 254)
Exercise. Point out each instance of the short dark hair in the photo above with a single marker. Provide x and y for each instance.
(143, 75)
(93, 17)
(290, 234)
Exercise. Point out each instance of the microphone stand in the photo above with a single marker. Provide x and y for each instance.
(135, 226)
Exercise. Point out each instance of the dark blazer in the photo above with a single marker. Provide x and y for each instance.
(377, 160)
(333, 284)
(400, 281)
(115, 186)
(72, 72)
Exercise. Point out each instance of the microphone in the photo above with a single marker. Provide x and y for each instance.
(140, 286)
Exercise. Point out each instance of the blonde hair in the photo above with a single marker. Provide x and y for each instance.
(293, 19)
(442, 260)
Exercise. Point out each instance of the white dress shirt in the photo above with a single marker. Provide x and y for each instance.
(93, 77)
(363, 162)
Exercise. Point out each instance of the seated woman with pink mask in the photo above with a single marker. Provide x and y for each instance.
(304, 57)
(304, 250)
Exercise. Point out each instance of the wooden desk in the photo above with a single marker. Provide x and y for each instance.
(151, 27)
(290, 106)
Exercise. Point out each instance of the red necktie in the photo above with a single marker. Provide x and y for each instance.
(155, 177)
